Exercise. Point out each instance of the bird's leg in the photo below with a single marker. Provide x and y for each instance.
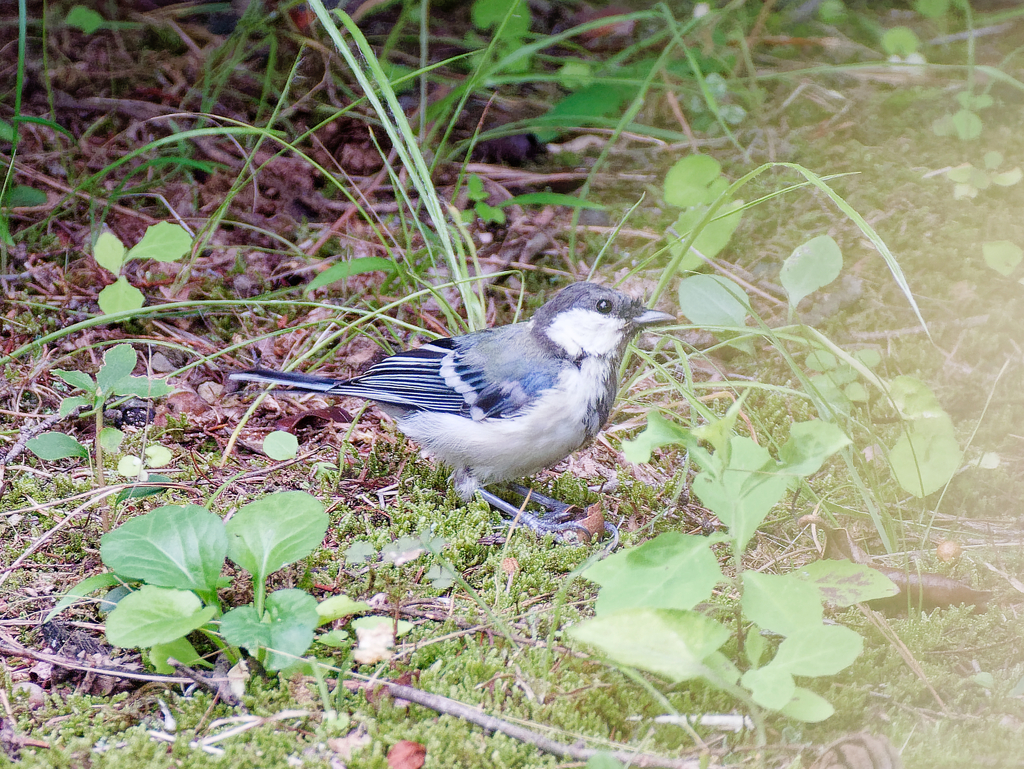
(561, 522)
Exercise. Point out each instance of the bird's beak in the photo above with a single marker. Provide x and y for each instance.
(653, 317)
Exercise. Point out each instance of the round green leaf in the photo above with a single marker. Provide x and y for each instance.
(118, 363)
(900, 41)
(1002, 255)
(119, 297)
(281, 445)
(109, 252)
(694, 180)
(274, 531)
(712, 300)
(163, 242)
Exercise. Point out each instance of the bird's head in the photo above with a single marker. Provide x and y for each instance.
(584, 319)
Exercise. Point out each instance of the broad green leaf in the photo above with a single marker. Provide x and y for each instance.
(820, 360)
(274, 531)
(139, 492)
(343, 270)
(771, 687)
(671, 571)
(242, 627)
(809, 445)
(475, 188)
(339, 606)
(85, 19)
(51, 446)
(811, 266)
(780, 602)
(78, 379)
(155, 615)
(440, 578)
(181, 650)
(754, 646)
(992, 160)
(808, 707)
(844, 583)
(668, 642)
(334, 638)
(659, 432)
(914, 399)
(490, 13)
(926, 456)
(489, 214)
(819, 651)
(359, 552)
(1002, 255)
(163, 242)
(118, 363)
(900, 41)
(932, 9)
(604, 761)
(713, 300)
(172, 546)
(578, 108)
(967, 124)
(111, 439)
(120, 296)
(293, 618)
(1007, 178)
(109, 252)
(695, 180)
(82, 590)
(131, 468)
(280, 445)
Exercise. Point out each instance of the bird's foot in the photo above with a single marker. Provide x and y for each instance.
(568, 523)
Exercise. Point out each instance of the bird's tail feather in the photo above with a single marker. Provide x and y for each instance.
(302, 382)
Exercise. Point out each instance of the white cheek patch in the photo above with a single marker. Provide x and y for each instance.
(585, 332)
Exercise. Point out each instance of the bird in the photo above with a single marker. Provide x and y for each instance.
(506, 402)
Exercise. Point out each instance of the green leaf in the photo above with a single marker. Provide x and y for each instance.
(900, 41)
(440, 577)
(754, 646)
(343, 270)
(668, 642)
(713, 300)
(932, 9)
(967, 124)
(818, 651)
(400, 629)
(490, 13)
(914, 399)
(109, 252)
(82, 590)
(143, 387)
(489, 214)
(659, 432)
(242, 627)
(173, 546)
(181, 650)
(1002, 255)
(551, 199)
(770, 687)
(21, 195)
(293, 619)
(70, 404)
(844, 583)
(671, 571)
(51, 446)
(111, 439)
(163, 242)
(926, 456)
(280, 445)
(992, 160)
(811, 266)
(475, 188)
(84, 19)
(604, 761)
(137, 492)
(780, 602)
(808, 707)
(120, 296)
(1007, 178)
(118, 363)
(359, 552)
(274, 531)
(339, 606)
(712, 239)
(744, 492)
(695, 180)
(157, 455)
(809, 445)
(131, 468)
(579, 108)
(155, 615)
(78, 379)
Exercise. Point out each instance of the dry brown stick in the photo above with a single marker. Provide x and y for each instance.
(447, 706)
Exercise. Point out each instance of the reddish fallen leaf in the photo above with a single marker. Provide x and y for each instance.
(308, 418)
(406, 754)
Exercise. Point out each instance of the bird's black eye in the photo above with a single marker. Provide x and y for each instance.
(604, 306)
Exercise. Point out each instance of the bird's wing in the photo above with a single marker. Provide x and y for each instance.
(410, 379)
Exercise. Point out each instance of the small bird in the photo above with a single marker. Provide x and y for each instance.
(506, 402)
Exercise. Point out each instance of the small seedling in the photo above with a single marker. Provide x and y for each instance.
(114, 378)
(694, 184)
(970, 181)
(478, 196)
(163, 242)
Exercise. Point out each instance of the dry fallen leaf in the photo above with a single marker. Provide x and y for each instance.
(406, 754)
